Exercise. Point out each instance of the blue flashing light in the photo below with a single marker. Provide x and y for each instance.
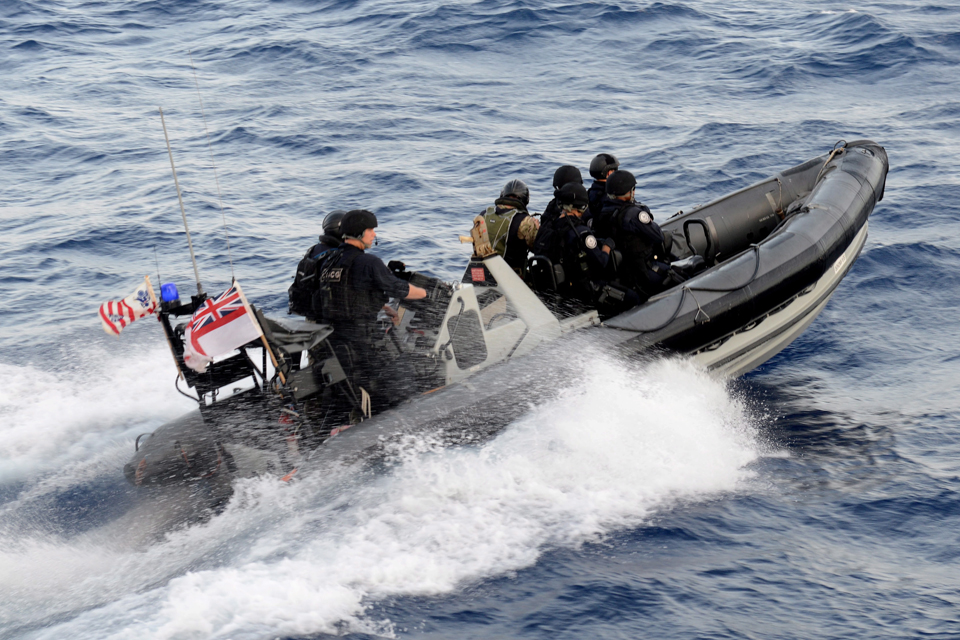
(169, 293)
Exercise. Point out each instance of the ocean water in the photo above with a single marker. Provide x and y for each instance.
(816, 497)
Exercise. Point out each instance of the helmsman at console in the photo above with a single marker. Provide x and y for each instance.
(355, 286)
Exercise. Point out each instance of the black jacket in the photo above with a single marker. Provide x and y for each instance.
(597, 195)
(356, 286)
(571, 244)
(638, 238)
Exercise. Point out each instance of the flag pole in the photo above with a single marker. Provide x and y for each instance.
(180, 197)
(263, 338)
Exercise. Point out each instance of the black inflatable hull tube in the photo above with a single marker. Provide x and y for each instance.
(705, 309)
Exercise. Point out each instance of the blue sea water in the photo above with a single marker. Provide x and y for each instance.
(816, 497)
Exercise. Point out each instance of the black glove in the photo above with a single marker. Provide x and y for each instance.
(396, 266)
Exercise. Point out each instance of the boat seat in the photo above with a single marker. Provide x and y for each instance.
(616, 259)
(288, 339)
(543, 274)
(293, 337)
(689, 267)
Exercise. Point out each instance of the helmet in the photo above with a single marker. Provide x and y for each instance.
(566, 173)
(355, 222)
(620, 183)
(603, 164)
(331, 223)
(516, 189)
(574, 194)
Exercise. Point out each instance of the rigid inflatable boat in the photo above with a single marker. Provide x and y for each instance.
(771, 257)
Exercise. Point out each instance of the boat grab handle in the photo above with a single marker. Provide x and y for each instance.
(136, 444)
(708, 253)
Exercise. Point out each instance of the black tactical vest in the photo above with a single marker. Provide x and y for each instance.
(351, 311)
(637, 251)
(571, 254)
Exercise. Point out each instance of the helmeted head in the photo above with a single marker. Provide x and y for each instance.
(603, 164)
(331, 223)
(355, 223)
(565, 174)
(620, 183)
(573, 196)
(517, 190)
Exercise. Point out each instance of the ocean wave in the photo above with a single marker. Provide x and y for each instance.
(421, 112)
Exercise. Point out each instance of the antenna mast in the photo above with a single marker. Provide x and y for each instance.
(180, 198)
(214, 164)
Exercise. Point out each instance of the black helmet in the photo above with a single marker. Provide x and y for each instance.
(355, 222)
(573, 194)
(620, 183)
(331, 223)
(566, 173)
(603, 164)
(516, 189)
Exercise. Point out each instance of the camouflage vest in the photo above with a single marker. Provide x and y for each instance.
(498, 227)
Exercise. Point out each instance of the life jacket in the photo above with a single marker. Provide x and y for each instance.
(351, 311)
(303, 293)
(498, 227)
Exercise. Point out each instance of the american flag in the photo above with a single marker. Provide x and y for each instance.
(117, 314)
(219, 326)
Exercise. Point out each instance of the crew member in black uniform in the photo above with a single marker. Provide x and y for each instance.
(355, 286)
(565, 174)
(570, 243)
(645, 263)
(585, 258)
(600, 169)
(331, 236)
(511, 229)
(304, 288)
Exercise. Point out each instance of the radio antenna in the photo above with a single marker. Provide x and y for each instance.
(214, 164)
(180, 198)
(155, 257)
